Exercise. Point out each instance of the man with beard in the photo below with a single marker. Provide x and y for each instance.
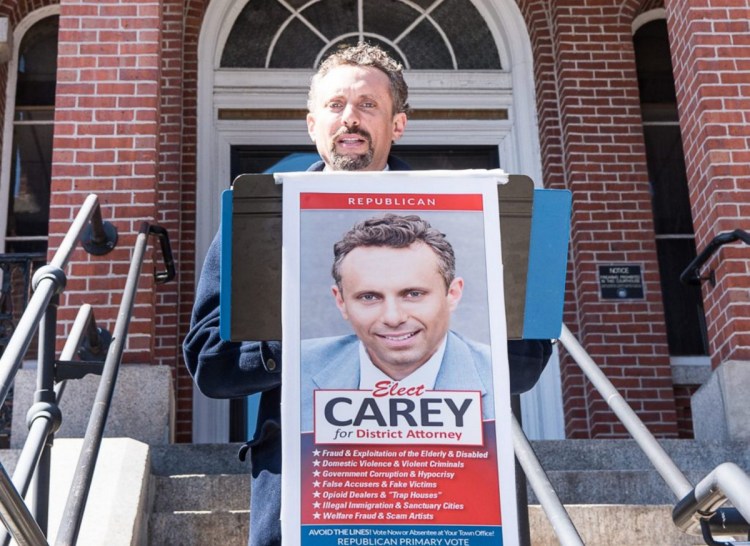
(357, 109)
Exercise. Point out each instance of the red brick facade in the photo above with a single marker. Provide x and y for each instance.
(126, 128)
(592, 145)
(711, 48)
(106, 127)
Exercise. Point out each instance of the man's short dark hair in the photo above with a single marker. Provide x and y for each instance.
(395, 231)
(364, 54)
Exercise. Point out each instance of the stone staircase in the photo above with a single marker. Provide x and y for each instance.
(613, 494)
(201, 496)
(196, 495)
(200, 492)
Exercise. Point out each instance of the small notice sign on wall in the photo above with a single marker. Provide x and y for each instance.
(620, 282)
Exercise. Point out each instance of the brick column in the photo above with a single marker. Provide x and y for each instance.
(177, 179)
(106, 142)
(711, 57)
(589, 97)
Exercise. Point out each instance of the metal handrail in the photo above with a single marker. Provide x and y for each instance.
(663, 463)
(73, 514)
(41, 313)
(48, 281)
(556, 514)
(726, 482)
(691, 274)
(16, 516)
(41, 421)
(44, 417)
(695, 504)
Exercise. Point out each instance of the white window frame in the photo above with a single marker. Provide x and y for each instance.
(10, 112)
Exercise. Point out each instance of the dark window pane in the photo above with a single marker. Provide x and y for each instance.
(31, 149)
(654, 63)
(252, 33)
(388, 18)
(470, 38)
(257, 159)
(337, 21)
(35, 113)
(28, 208)
(37, 65)
(27, 247)
(332, 18)
(425, 48)
(683, 305)
(449, 157)
(666, 172)
(297, 47)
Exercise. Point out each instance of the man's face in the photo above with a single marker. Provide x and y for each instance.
(397, 304)
(351, 119)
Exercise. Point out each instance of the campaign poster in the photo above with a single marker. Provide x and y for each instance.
(395, 396)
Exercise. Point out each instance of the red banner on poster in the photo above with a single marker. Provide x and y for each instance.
(388, 201)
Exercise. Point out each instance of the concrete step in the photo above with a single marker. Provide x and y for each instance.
(9, 458)
(614, 525)
(611, 487)
(201, 492)
(199, 528)
(617, 471)
(118, 495)
(197, 459)
(599, 525)
(625, 454)
(201, 495)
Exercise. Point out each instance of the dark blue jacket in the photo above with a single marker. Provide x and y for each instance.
(223, 369)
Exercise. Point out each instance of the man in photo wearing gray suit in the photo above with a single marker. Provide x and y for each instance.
(396, 284)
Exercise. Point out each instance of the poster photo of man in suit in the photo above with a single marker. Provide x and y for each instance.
(395, 284)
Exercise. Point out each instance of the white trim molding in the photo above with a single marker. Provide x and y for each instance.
(516, 136)
(647, 17)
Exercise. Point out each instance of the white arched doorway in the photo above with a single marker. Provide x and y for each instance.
(496, 108)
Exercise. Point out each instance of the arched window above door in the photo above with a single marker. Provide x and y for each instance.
(422, 34)
(26, 172)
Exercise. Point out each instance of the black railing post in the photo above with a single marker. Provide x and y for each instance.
(98, 237)
(43, 397)
(44, 416)
(70, 524)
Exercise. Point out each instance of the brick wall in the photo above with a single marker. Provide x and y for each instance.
(537, 16)
(192, 17)
(105, 142)
(126, 128)
(711, 54)
(682, 396)
(589, 111)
